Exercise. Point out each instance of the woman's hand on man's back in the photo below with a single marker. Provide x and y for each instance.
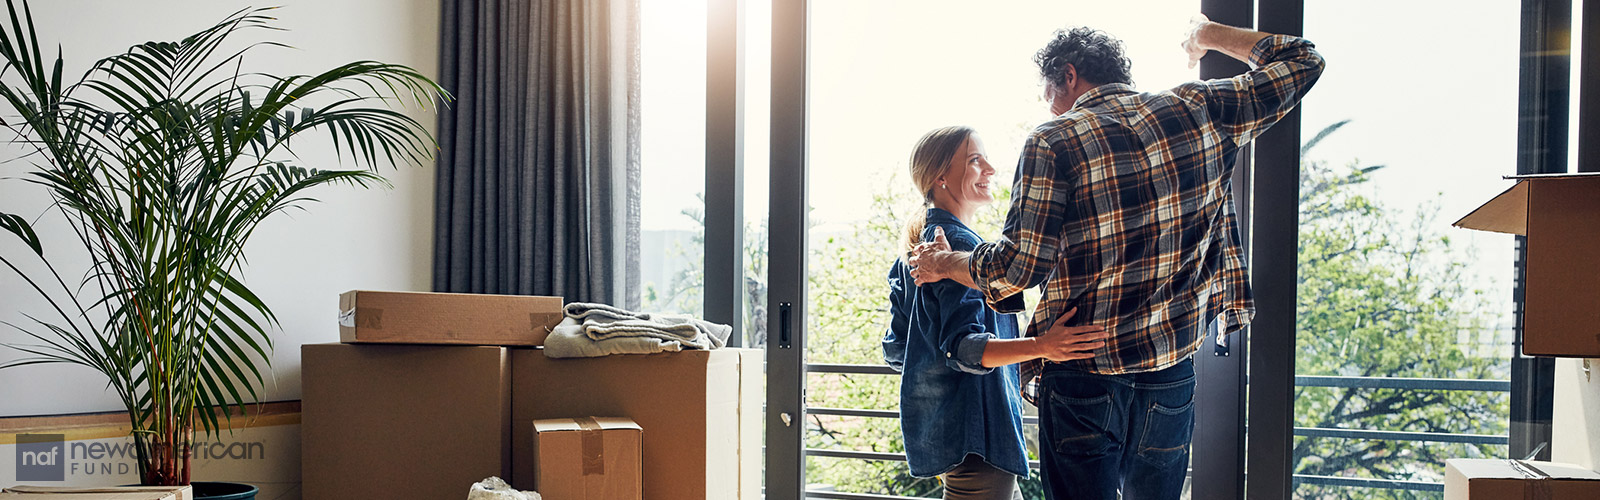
(1067, 343)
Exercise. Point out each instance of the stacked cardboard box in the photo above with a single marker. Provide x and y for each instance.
(426, 419)
(700, 411)
(446, 318)
(1556, 213)
(398, 422)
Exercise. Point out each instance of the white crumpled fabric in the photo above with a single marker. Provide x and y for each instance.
(495, 488)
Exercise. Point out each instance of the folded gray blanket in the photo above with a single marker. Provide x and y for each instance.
(567, 340)
(584, 310)
(598, 329)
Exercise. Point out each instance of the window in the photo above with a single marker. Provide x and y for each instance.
(672, 155)
(1405, 325)
(1400, 326)
(881, 74)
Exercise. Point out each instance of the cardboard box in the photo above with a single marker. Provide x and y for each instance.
(1560, 215)
(1466, 479)
(402, 421)
(446, 318)
(99, 493)
(587, 458)
(701, 412)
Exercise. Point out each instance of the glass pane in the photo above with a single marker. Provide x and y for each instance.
(1391, 298)
(882, 74)
(672, 112)
(757, 140)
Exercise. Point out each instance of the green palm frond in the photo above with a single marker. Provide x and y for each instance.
(18, 226)
(164, 160)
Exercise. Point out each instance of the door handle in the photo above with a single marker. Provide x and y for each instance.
(785, 311)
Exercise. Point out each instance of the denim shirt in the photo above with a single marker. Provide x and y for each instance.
(950, 405)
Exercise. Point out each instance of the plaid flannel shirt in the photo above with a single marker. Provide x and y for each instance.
(1123, 208)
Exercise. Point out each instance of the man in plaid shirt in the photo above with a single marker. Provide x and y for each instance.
(1123, 209)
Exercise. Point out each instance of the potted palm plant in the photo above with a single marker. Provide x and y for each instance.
(163, 160)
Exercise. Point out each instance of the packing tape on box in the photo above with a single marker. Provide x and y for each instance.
(594, 446)
(1539, 486)
(347, 319)
(369, 317)
(542, 321)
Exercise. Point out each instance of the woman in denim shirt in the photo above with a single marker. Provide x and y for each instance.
(960, 404)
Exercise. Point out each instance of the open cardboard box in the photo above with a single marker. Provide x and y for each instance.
(1483, 479)
(1560, 215)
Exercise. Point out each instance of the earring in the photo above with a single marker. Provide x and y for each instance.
(942, 186)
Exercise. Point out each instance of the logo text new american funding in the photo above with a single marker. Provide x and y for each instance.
(48, 457)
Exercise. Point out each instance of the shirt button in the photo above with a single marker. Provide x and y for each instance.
(948, 355)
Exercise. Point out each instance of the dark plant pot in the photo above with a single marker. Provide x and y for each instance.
(224, 491)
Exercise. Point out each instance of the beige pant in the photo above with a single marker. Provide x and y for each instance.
(973, 479)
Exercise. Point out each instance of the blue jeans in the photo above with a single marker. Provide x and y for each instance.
(1102, 433)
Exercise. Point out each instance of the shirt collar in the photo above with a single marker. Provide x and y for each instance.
(1099, 95)
(942, 216)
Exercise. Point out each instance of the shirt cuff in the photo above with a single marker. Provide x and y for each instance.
(968, 354)
(1004, 304)
(1267, 49)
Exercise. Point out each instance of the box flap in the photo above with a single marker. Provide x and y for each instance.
(1520, 469)
(572, 424)
(1562, 471)
(1578, 175)
(1506, 213)
(1484, 468)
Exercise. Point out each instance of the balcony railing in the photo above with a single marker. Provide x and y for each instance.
(1420, 384)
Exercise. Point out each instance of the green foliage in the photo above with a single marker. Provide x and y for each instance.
(164, 160)
(1380, 295)
(1383, 296)
(849, 296)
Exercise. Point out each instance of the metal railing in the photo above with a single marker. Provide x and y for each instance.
(1421, 384)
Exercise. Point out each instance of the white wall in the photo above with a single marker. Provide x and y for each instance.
(1576, 419)
(299, 263)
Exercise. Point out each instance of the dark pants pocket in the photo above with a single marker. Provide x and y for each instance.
(1080, 416)
(1168, 427)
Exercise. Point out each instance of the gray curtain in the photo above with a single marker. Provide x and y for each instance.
(538, 172)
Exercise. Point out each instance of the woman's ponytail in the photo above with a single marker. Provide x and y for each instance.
(929, 160)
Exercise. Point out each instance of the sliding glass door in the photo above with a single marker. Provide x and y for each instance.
(876, 76)
(1385, 339)
(1404, 324)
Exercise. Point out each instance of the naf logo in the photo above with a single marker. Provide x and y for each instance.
(41, 457)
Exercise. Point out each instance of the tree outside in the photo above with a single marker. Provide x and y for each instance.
(1380, 296)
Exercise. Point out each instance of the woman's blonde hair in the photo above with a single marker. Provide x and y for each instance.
(929, 160)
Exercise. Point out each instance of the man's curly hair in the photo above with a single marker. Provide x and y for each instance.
(1098, 57)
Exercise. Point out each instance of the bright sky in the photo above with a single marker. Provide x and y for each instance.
(1435, 102)
(882, 74)
(1437, 105)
